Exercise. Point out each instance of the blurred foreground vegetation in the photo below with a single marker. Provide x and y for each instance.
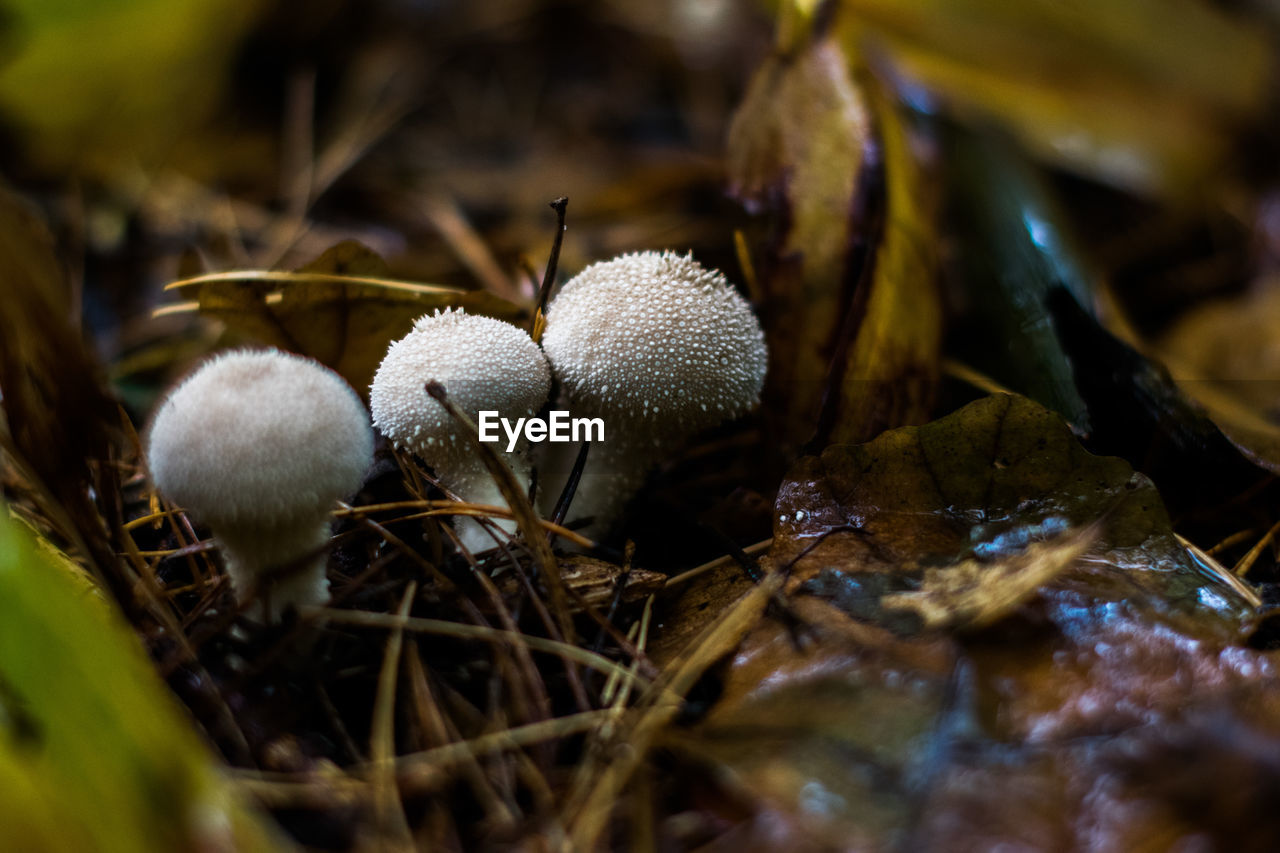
(995, 562)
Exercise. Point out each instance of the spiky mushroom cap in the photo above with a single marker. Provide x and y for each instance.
(483, 364)
(654, 341)
(259, 444)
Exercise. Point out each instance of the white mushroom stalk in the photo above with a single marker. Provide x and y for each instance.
(484, 365)
(259, 445)
(660, 348)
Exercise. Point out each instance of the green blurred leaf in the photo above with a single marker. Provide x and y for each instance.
(94, 752)
(97, 83)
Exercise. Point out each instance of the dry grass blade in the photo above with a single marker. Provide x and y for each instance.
(447, 217)
(433, 509)
(527, 520)
(587, 813)
(1247, 561)
(285, 278)
(973, 594)
(438, 730)
(416, 624)
(1215, 570)
(419, 768)
(718, 563)
(388, 810)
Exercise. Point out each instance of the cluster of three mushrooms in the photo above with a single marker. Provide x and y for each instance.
(259, 445)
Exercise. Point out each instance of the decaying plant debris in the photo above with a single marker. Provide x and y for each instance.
(994, 563)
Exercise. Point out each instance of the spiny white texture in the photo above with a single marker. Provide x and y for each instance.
(658, 346)
(483, 364)
(258, 444)
(654, 338)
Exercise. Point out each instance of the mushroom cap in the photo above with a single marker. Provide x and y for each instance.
(483, 364)
(260, 438)
(657, 341)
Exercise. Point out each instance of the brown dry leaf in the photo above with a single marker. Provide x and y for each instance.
(1225, 355)
(1144, 93)
(848, 279)
(60, 417)
(688, 606)
(340, 309)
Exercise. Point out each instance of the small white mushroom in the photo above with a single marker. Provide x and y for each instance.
(484, 365)
(660, 348)
(259, 445)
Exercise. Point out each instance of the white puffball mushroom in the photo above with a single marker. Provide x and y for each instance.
(660, 348)
(484, 365)
(259, 445)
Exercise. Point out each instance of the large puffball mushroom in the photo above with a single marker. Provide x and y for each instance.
(484, 365)
(659, 348)
(258, 445)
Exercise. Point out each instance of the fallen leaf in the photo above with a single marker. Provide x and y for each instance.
(840, 724)
(848, 275)
(340, 309)
(60, 418)
(1225, 356)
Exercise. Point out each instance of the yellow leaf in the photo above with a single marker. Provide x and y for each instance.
(1142, 93)
(339, 309)
(850, 299)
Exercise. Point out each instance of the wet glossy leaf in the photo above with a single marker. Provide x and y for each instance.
(826, 731)
(982, 483)
(340, 309)
(975, 592)
(842, 724)
(1143, 93)
(848, 278)
(94, 754)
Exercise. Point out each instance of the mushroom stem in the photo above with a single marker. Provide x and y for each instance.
(279, 566)
(476, 485)
(258, 445)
